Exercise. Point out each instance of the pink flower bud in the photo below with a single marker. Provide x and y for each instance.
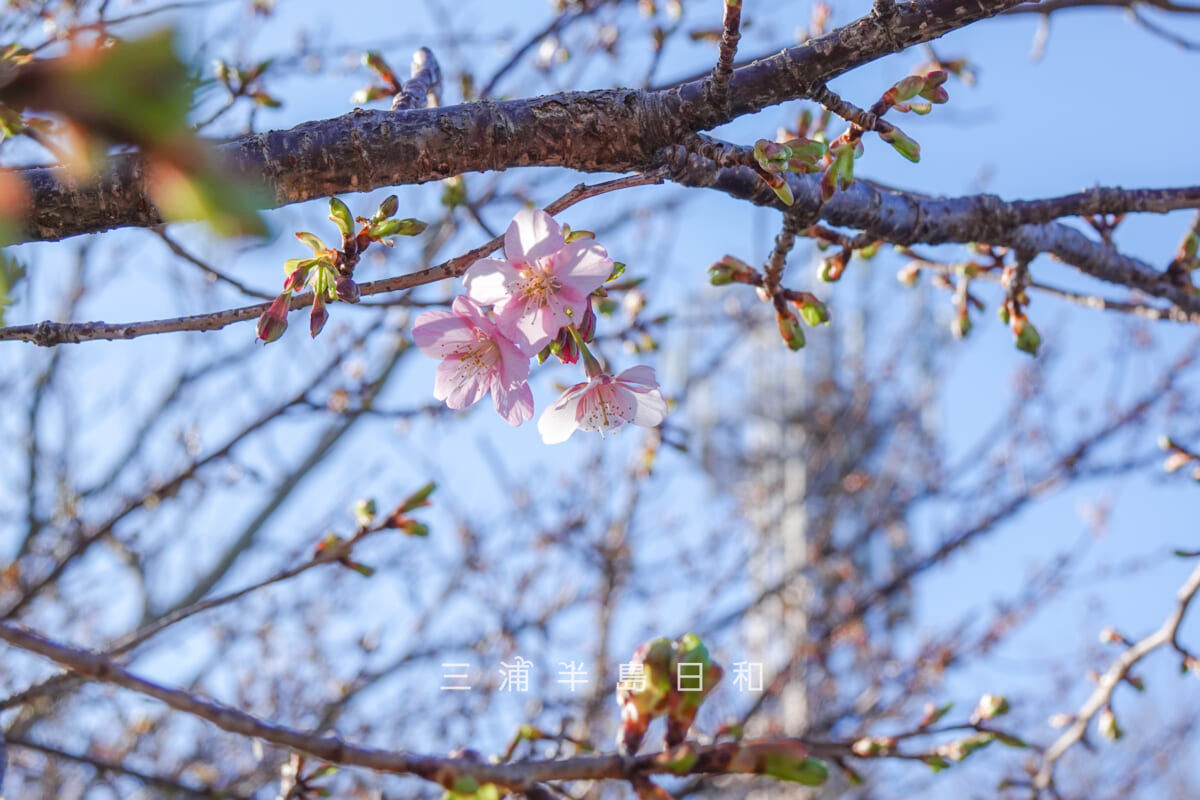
(586, 326)
(318, 317)
(347, 289)
(273, 321)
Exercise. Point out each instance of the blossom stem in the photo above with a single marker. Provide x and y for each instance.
(590, 363)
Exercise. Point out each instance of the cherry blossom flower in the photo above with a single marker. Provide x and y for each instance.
(543, 282)
(476, 359)
(605, 403)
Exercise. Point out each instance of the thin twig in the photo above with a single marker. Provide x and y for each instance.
(1101, 696)
(49, 334)
(718, 85)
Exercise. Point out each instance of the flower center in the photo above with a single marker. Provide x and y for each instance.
(477, 358)
(536, 286)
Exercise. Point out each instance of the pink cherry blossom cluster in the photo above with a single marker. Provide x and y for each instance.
(535, 300)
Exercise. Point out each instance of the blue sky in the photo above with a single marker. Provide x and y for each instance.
(1108, 104)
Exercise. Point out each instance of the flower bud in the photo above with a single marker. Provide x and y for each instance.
(318, 317)
(374, 61)
(729, 270)
(908, 275)
(933, 91)
(1028, 338)
(273, 321)
(905, 89)
(769, 154)
(990, 706)
(1176, 461)
(790, 330)
(339, 214)
(814, 313)
(867, 747)
(586, 326)
(640, 706)
(396, 227)
(347, 289)
(830, 269)
(565, 347)
(961, 326)
(903, 145)
(1107, 724)
(364, 511)
(297, 273)
(388, 208)
(691, 686)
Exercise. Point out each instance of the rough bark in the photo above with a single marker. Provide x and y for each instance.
(611, 130)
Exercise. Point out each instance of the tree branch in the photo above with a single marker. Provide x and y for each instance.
(50, 334)
(1101, 696)
(611, 130)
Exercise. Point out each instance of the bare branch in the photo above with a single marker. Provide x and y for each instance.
(1101, 696)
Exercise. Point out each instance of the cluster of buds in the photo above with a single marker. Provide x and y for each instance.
(338, 548)
(928, 86)
(329, 271)
(775, 159)
(839, 165)
(661, 690)
(958, 67)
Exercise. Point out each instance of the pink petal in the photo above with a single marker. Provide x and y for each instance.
(515, 405)
(473, 314)
(514, 365)
(533, 234)
(440, 334)
(534, 329)
(582, 265)
(486, 281)
(457, 386)
(557, 422)
(640, 376)
(651, 408)
(512, 320)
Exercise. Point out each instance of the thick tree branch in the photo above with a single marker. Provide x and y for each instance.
(612, 130)
(905, 219)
